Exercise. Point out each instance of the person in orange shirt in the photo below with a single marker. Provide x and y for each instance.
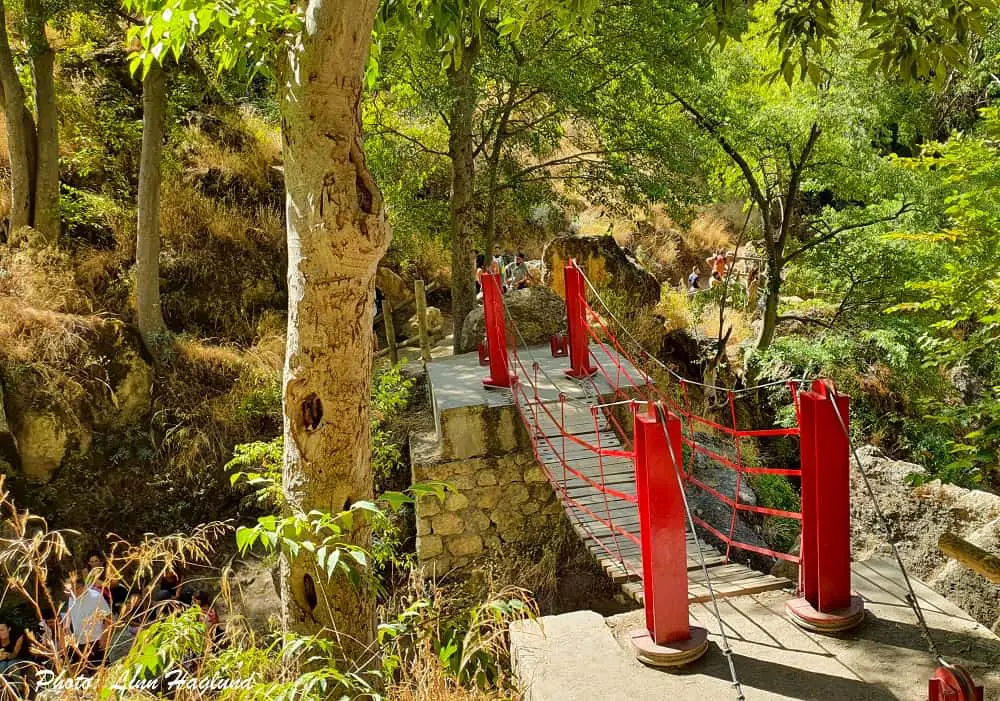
(717, 261)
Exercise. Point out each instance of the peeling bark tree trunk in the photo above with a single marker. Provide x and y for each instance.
(45, 206)
(337, 233)
(463, 173)
(18, 135)
(147, 246)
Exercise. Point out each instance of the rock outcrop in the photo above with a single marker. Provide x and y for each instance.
(606, 265)
(917, 517)
(106, 384)
(538, 312)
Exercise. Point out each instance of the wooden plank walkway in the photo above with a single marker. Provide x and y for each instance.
(617, 549)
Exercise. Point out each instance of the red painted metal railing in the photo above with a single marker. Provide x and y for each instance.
(599, 504)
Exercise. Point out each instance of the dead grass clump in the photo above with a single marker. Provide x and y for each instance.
(708, 324)
(210, 399)
(222, 267)
(708, 233)
(42, 278)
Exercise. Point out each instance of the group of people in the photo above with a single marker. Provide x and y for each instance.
(97, 621)
(513, 273)
(718, 263)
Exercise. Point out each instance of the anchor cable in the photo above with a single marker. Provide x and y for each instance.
(726, 649)
(911, 595)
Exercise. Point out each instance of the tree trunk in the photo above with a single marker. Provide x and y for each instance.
(463, 172)
(18, 136)
(45, 216)
(337, 233)
(770, 317)
(147, 247)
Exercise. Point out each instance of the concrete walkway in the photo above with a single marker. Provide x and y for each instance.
(583, 657)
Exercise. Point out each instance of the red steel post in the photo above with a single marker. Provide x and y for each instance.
(496, 332)
(826, 500)
(576, 323)
(661, 524)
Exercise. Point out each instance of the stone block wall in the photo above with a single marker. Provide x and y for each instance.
(498, 502)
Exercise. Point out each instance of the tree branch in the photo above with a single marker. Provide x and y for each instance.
(793, 186)
(386, 131)
(755, 190)
(805, 319)
(834, 233)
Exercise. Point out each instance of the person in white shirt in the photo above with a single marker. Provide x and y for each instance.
(86, 618)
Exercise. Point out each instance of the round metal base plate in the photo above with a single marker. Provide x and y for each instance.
(675, 654)
(802, 614)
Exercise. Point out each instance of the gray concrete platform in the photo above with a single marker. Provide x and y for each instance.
(471, 420)
(581, 656)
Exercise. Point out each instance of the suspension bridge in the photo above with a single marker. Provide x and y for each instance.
(625, 443)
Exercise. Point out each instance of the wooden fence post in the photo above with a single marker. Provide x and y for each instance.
(421, 296)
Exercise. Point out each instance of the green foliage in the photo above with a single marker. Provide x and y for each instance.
(958, 300)
(242, 35)
(264, 459)
(919, 40)
(390, 395)
(776, 492)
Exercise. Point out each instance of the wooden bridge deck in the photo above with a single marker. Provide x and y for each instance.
(618, 554)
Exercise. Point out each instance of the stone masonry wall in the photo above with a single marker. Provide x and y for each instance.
(498, 501)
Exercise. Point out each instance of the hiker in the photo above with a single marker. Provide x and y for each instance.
(693, 279)
(718, 262)
(100, 579)
(13, 646)
(517, 273)
(86, 618)
(480, 271)
(753, 283)
(497, 266)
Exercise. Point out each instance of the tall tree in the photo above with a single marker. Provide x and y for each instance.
(457, 31)
(337, 232)
(20, 132)
(147, 247)
(46, 216)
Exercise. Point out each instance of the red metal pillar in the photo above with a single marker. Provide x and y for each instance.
(496, 332)
(668, 640)
(825, 569)
(661, 524)
(576, 323)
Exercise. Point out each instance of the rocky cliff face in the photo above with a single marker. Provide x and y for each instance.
(96, 438)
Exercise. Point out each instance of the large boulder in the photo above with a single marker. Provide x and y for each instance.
(435, 325)
(538, 313)
(606, 265)
(395, 288)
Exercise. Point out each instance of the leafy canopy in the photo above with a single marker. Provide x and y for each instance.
(244, 36)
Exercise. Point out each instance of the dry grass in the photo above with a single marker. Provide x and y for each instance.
(708, 324)
(42, 278)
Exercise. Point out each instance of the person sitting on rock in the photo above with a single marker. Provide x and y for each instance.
(480, 271)
(517, 273)
(13, 646)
